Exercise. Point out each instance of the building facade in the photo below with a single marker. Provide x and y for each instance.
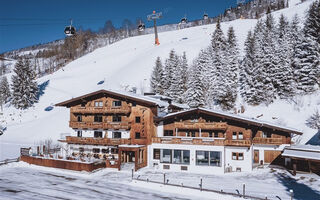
(147, 131)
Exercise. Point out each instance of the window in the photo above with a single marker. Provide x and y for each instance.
(177, 156)
(210, 134)
(191, 134)
(97, 134)
(116, 103)
(208, 158)
(137, 119)
(156, 154)
(114, 151)
(79, 118)
(266, 135)
(185, 156)
(165, 155)
(237, 156)
(168, 133)
(105, 150)
(98, 104)
(116, 118)
(234, 135)
(216, 134)
(79, 133)
(116, 134)
(81, 149)
(134, 104)
(240, 136)
(95, 150)
(138, 135)
(215, 158)
(202, 157)
(97, 118)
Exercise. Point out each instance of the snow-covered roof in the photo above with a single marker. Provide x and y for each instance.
(131, 145)
(123, 94)
(235, 117)
(311, 152)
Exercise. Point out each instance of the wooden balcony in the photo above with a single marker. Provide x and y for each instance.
(96, 141)
(101, 110)
(186, 140)
(239, 143)
(271, 141)
(100, 125)
(202, 125)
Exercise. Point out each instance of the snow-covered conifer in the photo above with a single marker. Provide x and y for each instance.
(195, 93)
(170, 66)
(24, 85)
(156, 82)
(5, 93)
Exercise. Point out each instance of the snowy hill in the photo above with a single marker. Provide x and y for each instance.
(129, 63)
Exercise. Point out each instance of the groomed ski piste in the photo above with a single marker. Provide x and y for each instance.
(125, 64)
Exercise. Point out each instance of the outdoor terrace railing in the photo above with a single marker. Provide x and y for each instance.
(277, 141)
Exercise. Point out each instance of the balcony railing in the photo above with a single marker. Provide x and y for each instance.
(187, 140)
(96, 141)
(98, 110)
(276, 141)
(241, 143)
(201, 125)
(100, 125)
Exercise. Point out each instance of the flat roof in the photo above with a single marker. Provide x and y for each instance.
(309, 152)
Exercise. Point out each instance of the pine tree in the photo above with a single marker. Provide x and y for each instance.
(218, 91)
(156, 82)
(24, 86)
(195, 94)
(170, 66)
(247, 68)
(284, 82)
(5, 93)
(312, 23)
(231, 69)
(177, 86)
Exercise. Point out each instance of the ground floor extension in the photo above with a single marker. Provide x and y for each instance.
(208, 159)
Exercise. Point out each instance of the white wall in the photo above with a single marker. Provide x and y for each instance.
(245, 164)
(192, 167)
(160, 130)
(108, 134)
(262, 148)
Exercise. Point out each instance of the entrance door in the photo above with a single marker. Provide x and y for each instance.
(256, 156)
(128, 156)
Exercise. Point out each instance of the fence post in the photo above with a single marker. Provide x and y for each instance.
(291, 194)
(244, 190)
(200, 184)
(132, 174)
(164, 178)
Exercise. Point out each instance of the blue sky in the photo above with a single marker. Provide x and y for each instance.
(29, 22)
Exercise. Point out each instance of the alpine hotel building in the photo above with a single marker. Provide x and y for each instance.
(153, 131)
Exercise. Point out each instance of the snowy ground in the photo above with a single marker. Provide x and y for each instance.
(24, 181)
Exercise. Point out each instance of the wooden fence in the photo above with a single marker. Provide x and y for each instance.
(7, 161)
(63, 164)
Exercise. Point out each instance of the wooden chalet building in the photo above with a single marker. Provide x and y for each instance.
(153, 131)
(113, 126)
(207, 141)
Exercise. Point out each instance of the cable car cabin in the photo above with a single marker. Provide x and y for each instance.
(184, 20)
(141, 27)
(205, 16)
(70, 30)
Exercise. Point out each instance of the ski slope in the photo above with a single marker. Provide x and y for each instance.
(129, 63)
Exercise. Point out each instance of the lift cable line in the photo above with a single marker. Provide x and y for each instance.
(154, 16)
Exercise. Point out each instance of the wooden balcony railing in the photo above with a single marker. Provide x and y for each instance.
(96, 141)
(98, 110)
(202, 125)
(241, 143)
(100, 125)
(186, 140)
(276, 141)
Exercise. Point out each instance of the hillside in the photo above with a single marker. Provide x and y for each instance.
(128, 63)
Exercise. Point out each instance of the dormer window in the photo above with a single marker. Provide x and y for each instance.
(116, 103)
